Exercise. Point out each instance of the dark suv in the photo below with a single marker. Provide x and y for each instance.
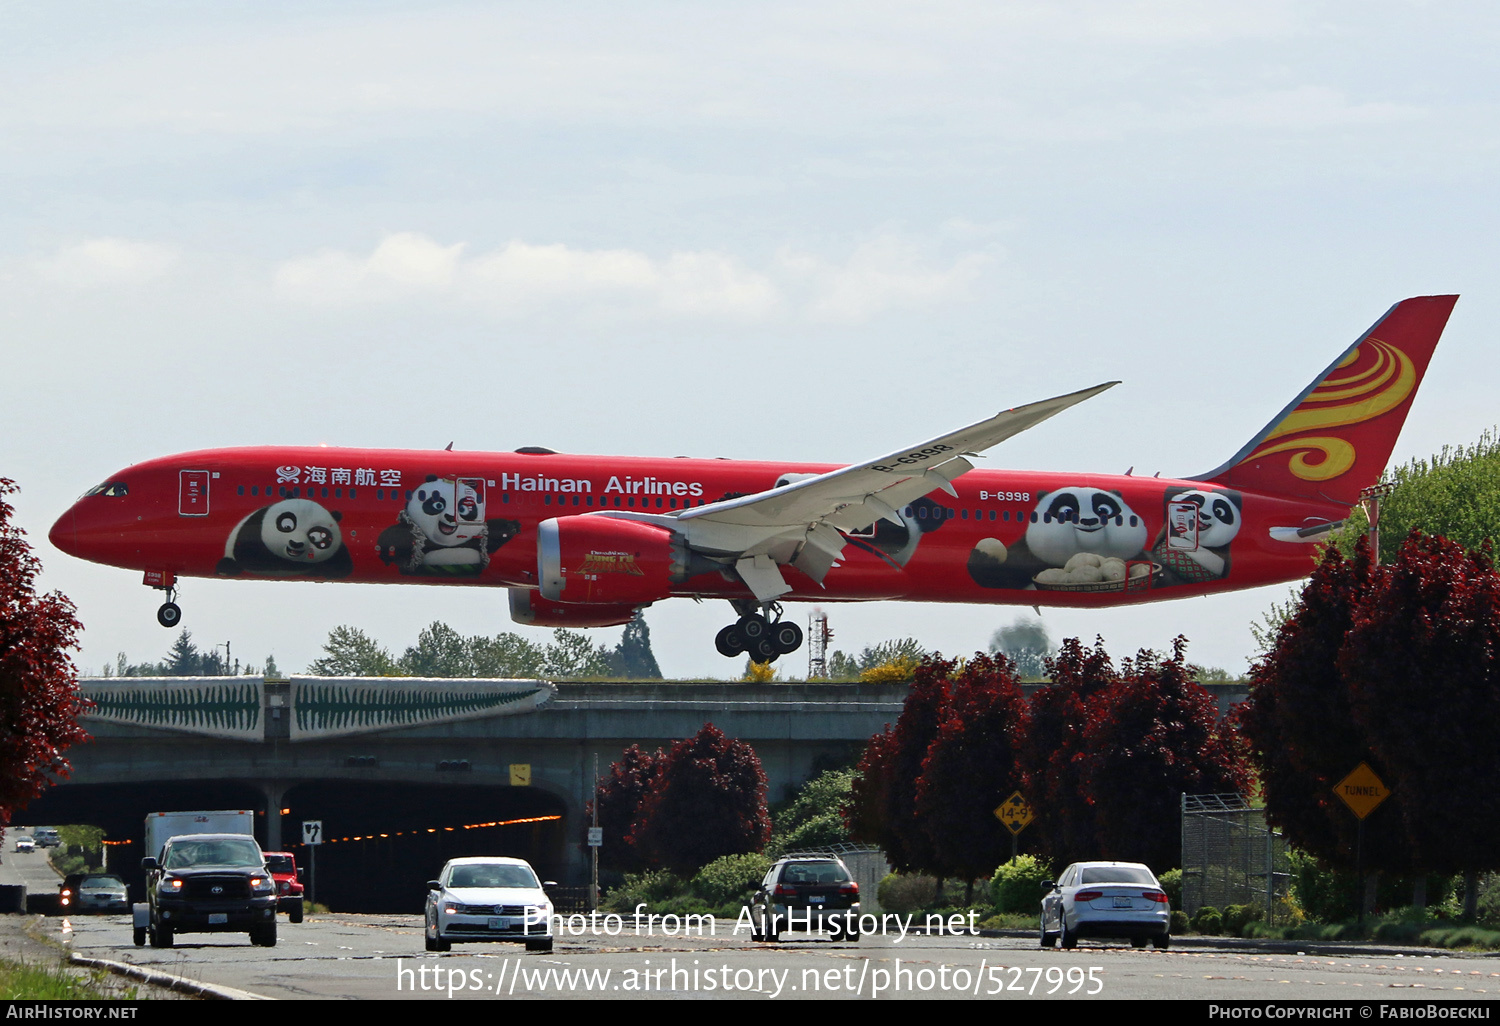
(806, 893)
(209, 883)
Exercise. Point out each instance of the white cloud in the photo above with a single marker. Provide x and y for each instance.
(520, 277)
(107, 261)
(884, 273)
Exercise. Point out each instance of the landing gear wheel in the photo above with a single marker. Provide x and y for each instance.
(752, 628)
(1069, 938)
(1160, 943)
(1048, 939)
(787, 636)
(295, 915)
(139, 936)
(169, 615)
(265, 936)
(763, 649)
(728, 641)
(161, 937)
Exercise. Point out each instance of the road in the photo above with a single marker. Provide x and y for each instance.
(348, 956)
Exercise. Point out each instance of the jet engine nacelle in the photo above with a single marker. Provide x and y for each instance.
(601, 559)
(528, 607)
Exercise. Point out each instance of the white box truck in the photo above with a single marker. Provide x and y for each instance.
(161, 825)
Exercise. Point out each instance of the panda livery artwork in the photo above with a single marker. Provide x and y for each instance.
(586, 541)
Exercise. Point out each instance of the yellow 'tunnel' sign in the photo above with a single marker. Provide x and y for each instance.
(1361, 790)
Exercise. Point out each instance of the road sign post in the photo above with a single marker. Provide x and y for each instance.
(312, 836)
(1361, 791)
(1016, 816)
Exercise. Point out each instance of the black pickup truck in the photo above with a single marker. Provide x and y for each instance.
(209, 883)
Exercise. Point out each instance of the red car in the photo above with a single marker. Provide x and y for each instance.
(283, 869)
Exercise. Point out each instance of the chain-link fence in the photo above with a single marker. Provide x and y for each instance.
(1230, 856)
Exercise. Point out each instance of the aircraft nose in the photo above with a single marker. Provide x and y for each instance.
(64, 535)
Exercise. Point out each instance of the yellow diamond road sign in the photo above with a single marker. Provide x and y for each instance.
(1015, 813)
(1361, 790)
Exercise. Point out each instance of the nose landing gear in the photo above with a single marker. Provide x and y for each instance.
(753, 634)
(170, 613)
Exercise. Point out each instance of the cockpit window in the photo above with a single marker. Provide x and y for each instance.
(114, 489)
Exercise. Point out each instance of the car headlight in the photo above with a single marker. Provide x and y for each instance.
(171, 885)
(261, 885)
(450, 907)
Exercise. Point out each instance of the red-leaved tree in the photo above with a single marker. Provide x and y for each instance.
(1421, 667)
(709, 800)
(1155, 735)
(971, 769)
(39, 700)
(864, 810)
(620, 795)
(1052, 782)
(907, 845)
(1299, 724)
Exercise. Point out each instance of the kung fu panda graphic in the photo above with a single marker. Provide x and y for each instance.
(894, 543)
(443, 532)
(1193, 546)
(1080, 535)
(291, 538)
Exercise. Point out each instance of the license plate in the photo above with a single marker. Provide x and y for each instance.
(217, 917)
(499, 923)
(816, 899)
(1123, 902)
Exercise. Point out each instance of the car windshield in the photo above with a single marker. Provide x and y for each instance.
(280, 864)
(222, 852)
(1117, 874)
(813, 873)
(103, 883)
(492, 876)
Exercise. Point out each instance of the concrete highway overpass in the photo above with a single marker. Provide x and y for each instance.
(406, 773)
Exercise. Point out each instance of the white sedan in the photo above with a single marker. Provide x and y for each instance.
(488, 898)
(1106, 899)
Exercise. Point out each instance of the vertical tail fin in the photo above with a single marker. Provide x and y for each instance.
(1335, 438)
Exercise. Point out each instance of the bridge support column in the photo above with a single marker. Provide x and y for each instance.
(274, 793)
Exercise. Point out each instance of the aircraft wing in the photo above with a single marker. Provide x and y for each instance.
(799, 523)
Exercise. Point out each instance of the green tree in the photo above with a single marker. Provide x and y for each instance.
(1455, 493)
(1027, 644)
(440, 651)
(507, 655)
(350, 652)
(632, 657)
(842, 666)
(572, 654)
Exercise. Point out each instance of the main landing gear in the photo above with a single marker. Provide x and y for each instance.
(761, 638)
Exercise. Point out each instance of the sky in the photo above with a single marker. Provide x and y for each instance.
(790, 231)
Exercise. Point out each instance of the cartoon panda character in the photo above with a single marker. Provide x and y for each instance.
(443, 531)
(1193, 545)
(890, 542)
(291, 538)
(1070, 527)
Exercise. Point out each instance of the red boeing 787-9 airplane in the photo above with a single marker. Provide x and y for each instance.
(585, 541)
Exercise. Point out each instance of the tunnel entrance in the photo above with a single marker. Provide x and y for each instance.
(121, 809)
(384, 841)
